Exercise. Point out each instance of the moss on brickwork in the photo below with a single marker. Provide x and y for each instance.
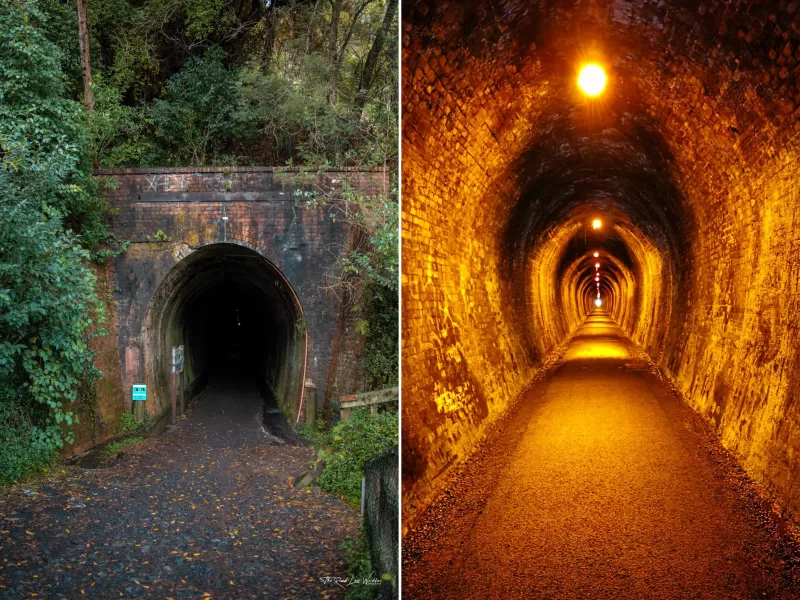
(223, 227)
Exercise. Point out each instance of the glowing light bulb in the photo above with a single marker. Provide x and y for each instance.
(596, 254)
(592, 80)
(598, 303)
(597, 224)
(596, 265)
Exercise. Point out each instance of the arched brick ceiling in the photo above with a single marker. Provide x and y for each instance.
(691, 159)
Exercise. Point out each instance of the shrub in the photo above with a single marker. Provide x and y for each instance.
(128, 422)
(349, 446)
(359, 567)
(25, 449)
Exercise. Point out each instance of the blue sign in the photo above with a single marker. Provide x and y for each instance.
(139, 392)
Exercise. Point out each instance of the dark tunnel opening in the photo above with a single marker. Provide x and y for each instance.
(242, 329)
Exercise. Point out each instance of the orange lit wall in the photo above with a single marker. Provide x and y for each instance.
(691, 159)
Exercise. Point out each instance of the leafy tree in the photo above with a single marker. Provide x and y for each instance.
(309, 82)
(47, 298)
(196, 117)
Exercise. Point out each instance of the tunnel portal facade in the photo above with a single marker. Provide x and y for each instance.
(233, 266)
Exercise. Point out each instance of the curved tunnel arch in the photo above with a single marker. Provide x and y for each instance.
(690, 158)
(234, 312)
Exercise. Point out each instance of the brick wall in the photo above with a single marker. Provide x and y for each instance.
(346, 373)
(101, 424)
(692, 158)
(249, 208)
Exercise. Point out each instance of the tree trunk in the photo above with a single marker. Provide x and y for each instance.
(311, 26)
(368, 72)
(336, 11)
(86, 61)
(270, 27)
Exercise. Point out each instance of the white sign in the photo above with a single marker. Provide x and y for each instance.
(177, 359)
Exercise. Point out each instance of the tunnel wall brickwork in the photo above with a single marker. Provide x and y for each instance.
(189, 206)
(346, 374)
(100, 422)
(463, 362)
(716, 87)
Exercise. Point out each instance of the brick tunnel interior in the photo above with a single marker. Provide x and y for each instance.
(689, 160)
(241, 326)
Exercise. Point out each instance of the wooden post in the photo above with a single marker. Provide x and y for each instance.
(138, 411)
(311, 402)
(174, 400)
(183, 405)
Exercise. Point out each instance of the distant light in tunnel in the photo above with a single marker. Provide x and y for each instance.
(592, 80)
(596, 265)
(596, 254)
(597, 224)
(598, 302)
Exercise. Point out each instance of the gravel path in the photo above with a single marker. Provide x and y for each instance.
(206, 510)
(601, 484)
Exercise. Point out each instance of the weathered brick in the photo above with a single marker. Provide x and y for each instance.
(691, 156)
(190, 206)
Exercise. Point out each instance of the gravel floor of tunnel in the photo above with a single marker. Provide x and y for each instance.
(601, 483)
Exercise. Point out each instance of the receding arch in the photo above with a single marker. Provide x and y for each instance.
(234, 311)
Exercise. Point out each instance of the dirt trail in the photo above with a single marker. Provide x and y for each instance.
(208, 508)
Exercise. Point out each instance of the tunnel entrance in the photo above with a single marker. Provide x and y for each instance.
(243, 331)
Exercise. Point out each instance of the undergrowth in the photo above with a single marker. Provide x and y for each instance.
(118, 445)
(345, 449)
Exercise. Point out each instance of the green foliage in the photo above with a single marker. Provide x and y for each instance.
(121, 135)
(128, 422)
(315, 434)
(41, 128)
(205, 17)
(359, 567)
(195, 119)
(118, 445)
(26, 448)
(159, 237)
(382, 349)
(197, 82)
(376, 263)
(347, 447)
(294, 116)
(50, 217)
